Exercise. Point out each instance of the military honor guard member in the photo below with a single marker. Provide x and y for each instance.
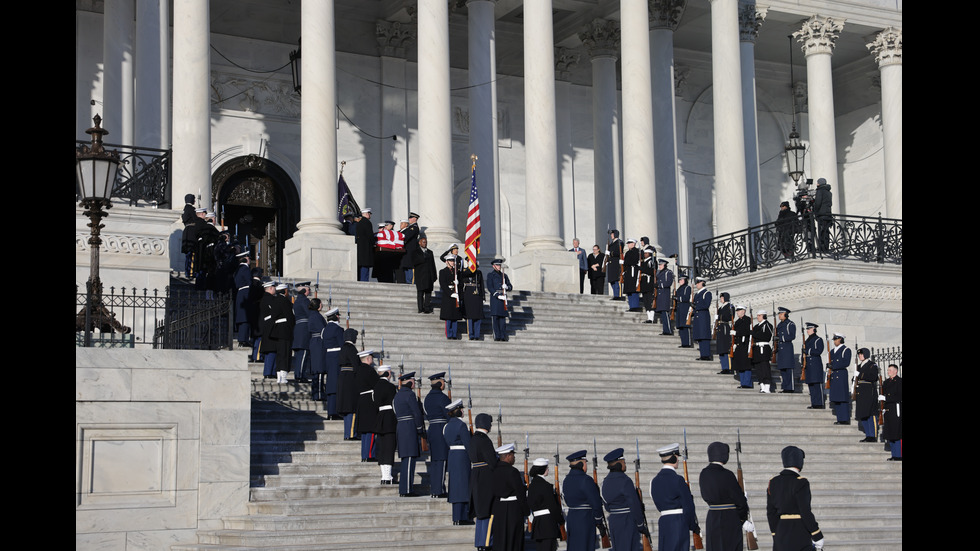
(728, 510)
(546, 513)
(762, 335)
(332, 336)
(409, 431)
(724, 317)
(483, 460)
(457, 438)
(840, 395)
(665, 282)
(386, 424)
(451, 308)
(510, 506)
(701, 321)
(891, 394)
(631, 274)
(411, 233)
(793, 526)
(301, 333)
(243, 280)
(626, 521)
(366, 412)
(318, 368)
(648, 283)
(682, 297)
(614, 264)
(741, 335)
(474, 295)
(866, 395)
(498, 284)
(673, 499)
(281, 330)
(813, 352)
(584, 504)
(434, 407)
(785, 352)
(347, 393)
(268, 344)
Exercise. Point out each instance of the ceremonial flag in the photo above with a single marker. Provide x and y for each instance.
(345, 201)
(473, 221)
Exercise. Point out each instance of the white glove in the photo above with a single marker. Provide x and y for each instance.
(747, 526)
(622, 262)
(716, 317)
(881, 397)
(503, 286)
(818, 544)
(454, 295)
(732, 332)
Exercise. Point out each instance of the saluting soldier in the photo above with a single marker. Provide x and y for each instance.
(682, 296)
(648, 282)
(788, 506)
(483, 460)
(813, 351)
(724, 317)
(785, 353)
(673, 499)
(435, 413)
(742, 334)
(386, 423)
(625, 510)
(728, 510)
(409, 430)
(665, 281)
(631, 274)
(498, 284)
(840, 395)
(762, 342)
(866, 395)
(457, 438)
(614, 264)
(509, 502)
(891, 391)
(701, 321)
(546, 511)
(584, 504)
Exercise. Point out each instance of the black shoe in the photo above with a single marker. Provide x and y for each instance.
(723, 372)
(868, 439)
(894, 459)
(703, 359)
(647, 321)
(816, 407)
(842, 422)
(667, 334)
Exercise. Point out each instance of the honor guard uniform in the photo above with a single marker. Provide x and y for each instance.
(410, 429)
(626, 520)
(682, 310)
(840, 394)
(584, 504)
(724, 317)
(435, 413)
(473, 297)
(386, 423)
(762, 335)
(243, 280)
(333, 343)
(509, 502)
(457, 438)
(347, 392)
(728, 510)
(785, 352)
(411, 233)
(451, 307)
(648, 283)
(498, 284)
(701, 320)
(268, 346)
(866, 395)
(301, 333)
(614, 264)
(673, 499)
(741, 334)
(546, 514)
(483, 460)
(891, 391)
(282, 331)
(813, 356)
(365, 412)
(318, 367)
(665, 283)
(631, 274)
(788, 506)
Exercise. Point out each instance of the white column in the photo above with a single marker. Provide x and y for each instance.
(731, 214)
(192, 109)
(664, 18)
(153, 74)
(483, 121)
(117, 95)
(639, 186)
(601, 39)
(565, 61)
(543, 263)
(394, 39)
(887, 49)
(749, 20)
(318, 246)
(818, 36)
(435, 131)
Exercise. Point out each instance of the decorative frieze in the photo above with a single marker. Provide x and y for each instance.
(268, 96)
(124, 244)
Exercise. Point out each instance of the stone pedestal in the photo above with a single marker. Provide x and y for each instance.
(544, 270)
(330, 255)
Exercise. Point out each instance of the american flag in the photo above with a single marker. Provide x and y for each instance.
(473, 221)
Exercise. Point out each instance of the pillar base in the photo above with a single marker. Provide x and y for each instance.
(545, 270)
(331, 255)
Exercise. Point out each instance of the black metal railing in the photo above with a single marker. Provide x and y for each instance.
(864, 238)
(886, 356)
(143, 176)
(177, 319)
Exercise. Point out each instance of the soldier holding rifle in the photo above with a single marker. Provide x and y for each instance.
(866, 395)
(783, 352)
(788, 506)
(627, 523)
(701, 323)
(584, 504)
(665, 282)
(435, 413)
(683, 310)
(457, 438)
(840, 395)
(761, 354)
(483, 459)
(547, 518)
(728, 510)
(813, 366)
(724, 320)
(673, 499)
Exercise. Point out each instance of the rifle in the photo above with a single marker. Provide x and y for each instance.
(449, 382)
(857, 368)
(605, 257)
(731, 338)
(639, 493)
(424, 445)
(348, 321)
(469, 406)
(881, 391)
(775, 338)
(500, 419)
(362, 337)
(673, 292)
(603, 530)
(698, 544)
(561, 525)
(751, 334)
(690, 310)
(714, 332)
(803, 351)
(527, 481)
(316, 289)
(750, 537)
(829, 361)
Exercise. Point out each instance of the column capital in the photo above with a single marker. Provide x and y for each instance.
(666, 14)
(887, 47)
(750, 18)
(394, 37)
(819, 34)
(601, 38)
(565, 62)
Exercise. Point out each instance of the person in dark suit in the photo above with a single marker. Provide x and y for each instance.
(412, 232)
(424, 274)
(791, 520)
(364, 237)
(583, 268)
(597, 277)
(891, 391)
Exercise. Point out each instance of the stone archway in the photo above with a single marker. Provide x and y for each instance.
(259, 203)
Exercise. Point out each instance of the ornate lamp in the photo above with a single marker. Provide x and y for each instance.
(294, 64)
(795, 149)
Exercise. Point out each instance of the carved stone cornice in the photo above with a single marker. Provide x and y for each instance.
(124, 244)
(666, 14)
(887, 47)
(819, 34)
(565, 62)
(750, 18)
(254, 95)
(601, 38)
(394, 37)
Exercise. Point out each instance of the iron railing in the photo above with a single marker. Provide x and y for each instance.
(176, 318)
(863, 238)
(143, 176)
(885, 356)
